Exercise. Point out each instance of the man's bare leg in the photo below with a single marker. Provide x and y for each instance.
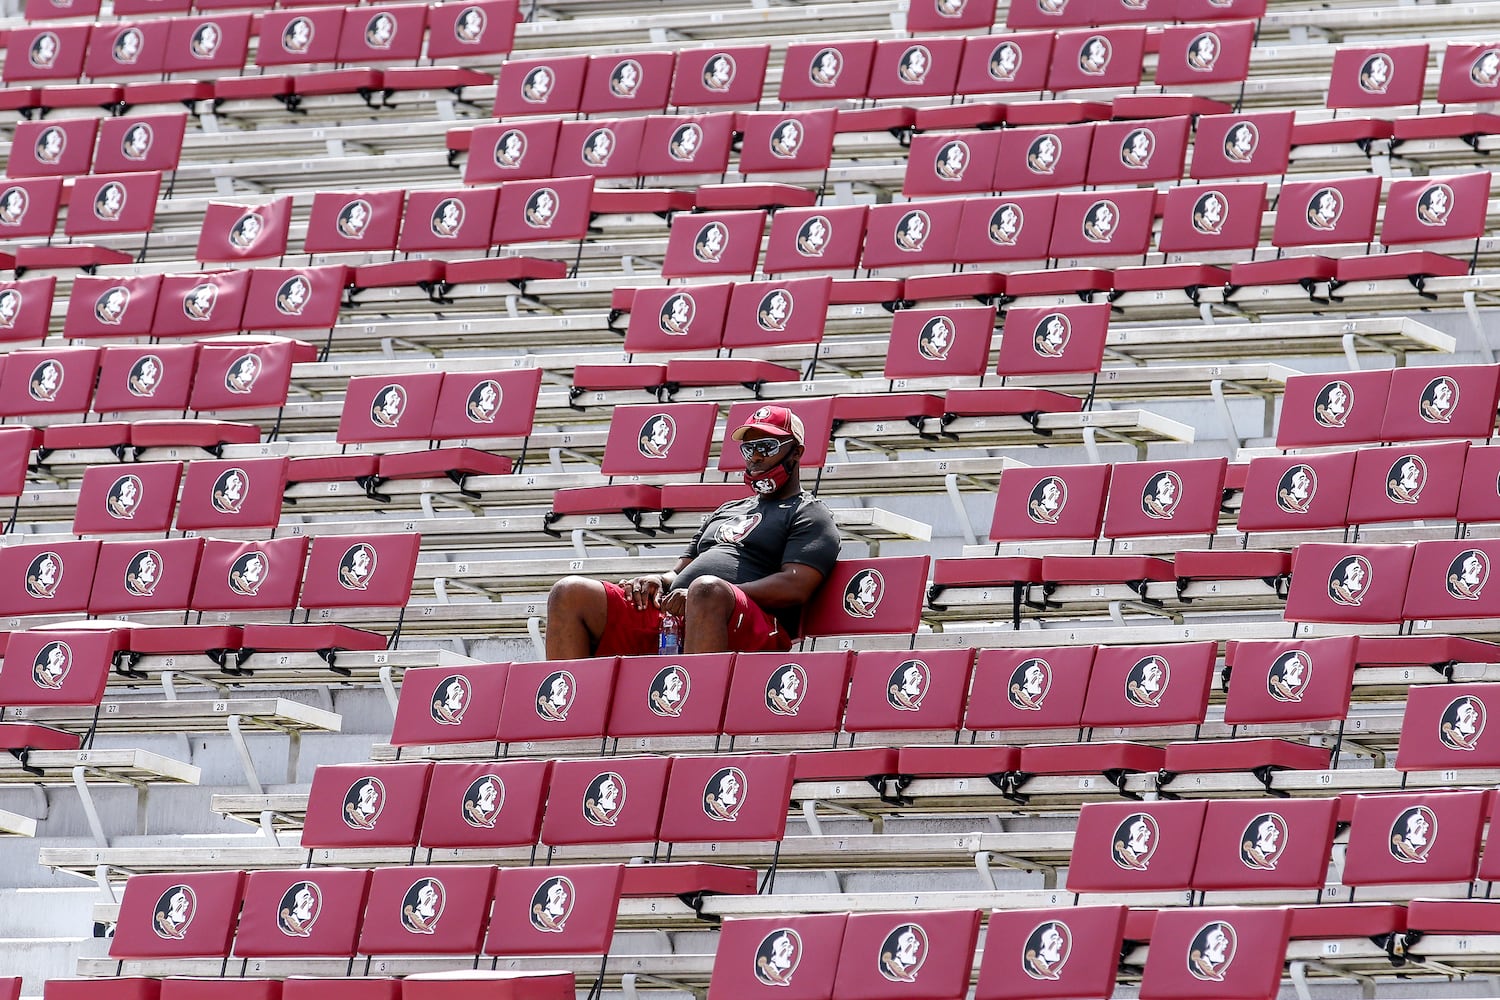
(710, 602)
(575, 618)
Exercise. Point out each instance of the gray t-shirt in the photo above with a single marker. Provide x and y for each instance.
(752, 538)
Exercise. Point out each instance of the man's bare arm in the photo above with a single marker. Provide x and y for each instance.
(792, 586)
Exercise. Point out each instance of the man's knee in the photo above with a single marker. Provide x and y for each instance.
(574, 594)
(711, 595)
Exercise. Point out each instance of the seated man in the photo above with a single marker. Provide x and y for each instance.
(743, 580)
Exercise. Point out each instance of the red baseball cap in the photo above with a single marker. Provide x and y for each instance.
(777, 420)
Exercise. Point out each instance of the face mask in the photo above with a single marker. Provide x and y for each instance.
(772, 479)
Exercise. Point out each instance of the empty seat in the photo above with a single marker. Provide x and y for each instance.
(777, 693)
(897, 954)
(1063, 953)
(558, 700)
(1393, 839)
(1443, 727)
(302, 912)
(488, 804)
(1133, 847)
(449, 705)
(438, 910)
(1348, 583)
(895, 690)
(724, 799)
(1257, 846)
(617, 800)
(659, 696)
(1197, 953)
(561, 910)
(365, 805)
(177, 915)
(766, 956)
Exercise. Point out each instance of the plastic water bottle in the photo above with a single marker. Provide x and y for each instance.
(669, 641)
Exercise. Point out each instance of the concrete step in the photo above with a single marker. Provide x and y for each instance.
(37, 960)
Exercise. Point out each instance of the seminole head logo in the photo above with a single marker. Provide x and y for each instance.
(1101, 221)
(668, 694)
(246, 231)
(1439, 399)
(554, 696)
(422, 906)
(719, 72)
(685, 142)
(483, 800)
(510, 149)
(205, 41)
(1462, 723)
(380, 31)
(483, 403)
(777, 957)
(826, 67)
(123, 498)
(297, 36)
(1263, 842)
(951, 161)
(144, 573)
(813, 235)
(1006, 223)
(907, 685)
(1135, 841)
(1137, 148)
(248, 573)
(785, 689)
(174, 912)
(863, 593)
(242, 374)
(1467, 574)
(912, 231)
(774, 311)
(1050, 337)
(1324, 209)
(1047, 950)
(353, 219)
(903, 953)
(299, 909)
(1210, 212)
(1289, 676)
(293, 295)
(127, 47)
(230, 491)
(1334, 404)
(1241, 142)
(737, 529)
(1435, 205)
(43, 51)
(1413, 835)
(1161, 495)
(469, 27)
(145, 376)
(110, 306)
(1296, 489)
(1203, 52)
(1349, 581)
(46, 381)
(1047, 500)
(450, 701)
(1044, 153)
(51, 665)
(44, 574)
(625, 78)
(1029, 683)
(552, 905)
(724, 794)
(388, 406)
(677, 314)
(1406, 479)
(657, 435)
(536, 88)
(914, 65)
(13, 204)
(1375, 73)
(711, 242)
(1005, 62)
(1146, 682)
(357, 566)
(447, 219)
(1094, 55)
(603, 799)
(363, 803)
(935, 339)
(1484, 71)
(1211, 952)
(541, 208)
(50, 145)
(598, 147)
(11, 301)
(786, 139)
(198, 303)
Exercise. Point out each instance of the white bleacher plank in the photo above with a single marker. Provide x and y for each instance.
(188, 715)
(135, 767)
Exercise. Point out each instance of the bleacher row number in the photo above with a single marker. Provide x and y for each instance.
(1125, 545)
(857, 311)
(593, 520)
(1096, 591)
(220, 707)
(1422, 625)
(1450, 775)
(1084, 784)
(380, 658)
(112, 708)
(1330, 947)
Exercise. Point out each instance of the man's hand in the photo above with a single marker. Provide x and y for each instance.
(644, 591)
(674, 603)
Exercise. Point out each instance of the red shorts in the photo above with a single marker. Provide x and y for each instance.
(631, 631)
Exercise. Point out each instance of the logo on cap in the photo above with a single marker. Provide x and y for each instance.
(668, 694)
(450, 700)
(1211, 952)
(554, 696)
(1029, 683)
(1289, 676)
(1413, 835)
(1135, 842)
(1047, 950)
(863, 593)
(908, 685)
(1462, 723)
(903, 953)
(1349, 581)
(51, 665)
(657, 435)
(299, 909)
(1161, 495)
(364, 802)
(1047, 500)
(1263, 842)
(422, 906)
(483, 800)
(785, 689)
(603, 799)
(777, 957)
(1439, 400)
(725, 794)
(552, 904)
(174, 912)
